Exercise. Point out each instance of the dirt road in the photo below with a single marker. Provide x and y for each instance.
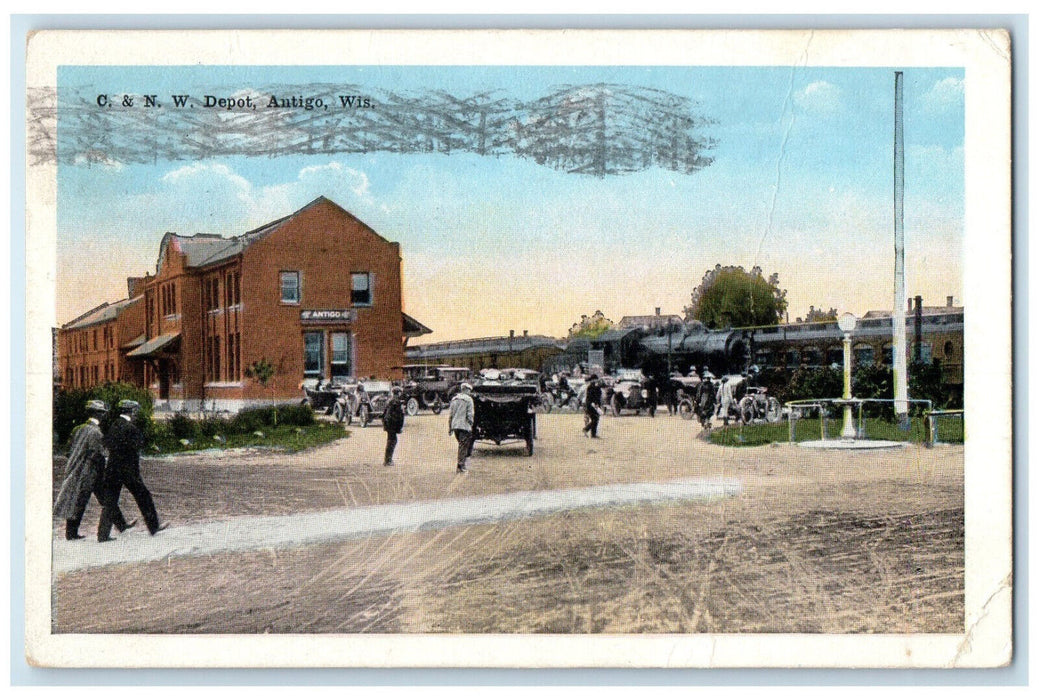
(815, 541)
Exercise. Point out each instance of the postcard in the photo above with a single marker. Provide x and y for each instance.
(636, 349)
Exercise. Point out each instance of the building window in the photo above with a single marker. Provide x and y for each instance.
(233, 351)
(889, 354)
(290, 288)
(812, 357)
(314, 354)
(925, 352)
(214, 358)
(95, 339)
(950, 349)
(211, 294)
(341, 356)
(361, 289)
(863, 355)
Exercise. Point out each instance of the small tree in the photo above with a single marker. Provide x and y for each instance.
(731, 297)
(819, 316)
(590, 326)
(263, 371)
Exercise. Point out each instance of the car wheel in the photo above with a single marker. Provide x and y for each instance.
(437, 407)
(774, 412)
(412, 406)
(430, 397)
(685, 409)
(337, 413)
(546, 403)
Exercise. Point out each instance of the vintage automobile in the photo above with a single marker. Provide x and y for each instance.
(630, 392)
(320, 396)
(431, 387)
(566, 391)
(505, 412)
(758, 406)
(366, 401)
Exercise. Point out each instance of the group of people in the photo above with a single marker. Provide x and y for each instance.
(102, 464)
(461, 418)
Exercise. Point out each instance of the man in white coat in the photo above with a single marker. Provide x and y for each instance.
(463, 415)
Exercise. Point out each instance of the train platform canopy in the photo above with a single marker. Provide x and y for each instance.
(413, 328)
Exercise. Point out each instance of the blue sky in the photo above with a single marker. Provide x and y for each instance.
(801, 184)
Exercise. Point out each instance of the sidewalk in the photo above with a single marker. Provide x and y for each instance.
(281, 532)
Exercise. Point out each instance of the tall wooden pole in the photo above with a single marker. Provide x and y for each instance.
(898, 317)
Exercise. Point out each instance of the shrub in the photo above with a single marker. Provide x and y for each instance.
(181, 427)
(208, 427)
(295, 414)
(925, 382)
(70, 407)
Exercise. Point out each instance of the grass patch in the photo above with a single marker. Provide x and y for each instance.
(290, 438)
(949, 430)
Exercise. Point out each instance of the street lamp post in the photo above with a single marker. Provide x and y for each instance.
(847, 324)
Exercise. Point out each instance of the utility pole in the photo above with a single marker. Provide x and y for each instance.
(898, 316)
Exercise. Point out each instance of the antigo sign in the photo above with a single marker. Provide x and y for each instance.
(327, 315)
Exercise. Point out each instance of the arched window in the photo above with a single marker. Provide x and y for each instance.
(813, 357)
(863, 354)
(791, 357)
(889, 354)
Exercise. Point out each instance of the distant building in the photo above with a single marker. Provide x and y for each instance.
(316, 293)
(651, 322)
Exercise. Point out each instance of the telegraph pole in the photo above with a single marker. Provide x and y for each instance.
(898, 317)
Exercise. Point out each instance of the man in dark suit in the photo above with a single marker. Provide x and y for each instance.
(392, 423)
(124, 441)
(592, 406)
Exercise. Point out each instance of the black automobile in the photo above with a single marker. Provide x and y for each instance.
(366, 401)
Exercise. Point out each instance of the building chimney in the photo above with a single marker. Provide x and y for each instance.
(948, 300)
(135, 285)
(658, 311)
(512, 333)
(918, 329)
(524, 333)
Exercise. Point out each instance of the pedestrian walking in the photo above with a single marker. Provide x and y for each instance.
(592, 406)
(392, 423)
(84, 472)
(124, 441)
(463, 416)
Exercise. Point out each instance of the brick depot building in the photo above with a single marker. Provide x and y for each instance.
(316, 294)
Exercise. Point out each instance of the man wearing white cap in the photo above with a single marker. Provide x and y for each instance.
(463, 415)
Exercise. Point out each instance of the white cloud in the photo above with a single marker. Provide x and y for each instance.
(947, 93)
(819, 96)
(337, 175)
